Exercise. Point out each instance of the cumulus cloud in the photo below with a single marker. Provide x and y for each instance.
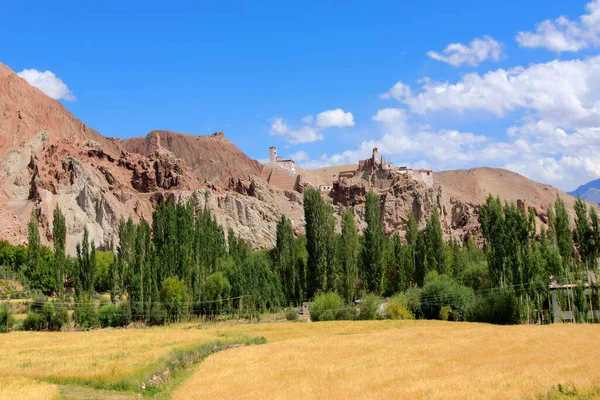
(390, 115)
(566, 93)
(308, 119)
(476, 52)
(299, 156)
(334, 118)
(562, 34)
(306, 134)
(48, 83)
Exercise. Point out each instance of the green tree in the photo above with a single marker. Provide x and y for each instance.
(285, 260)
(372, 250)
(175, 297)
(86, 266)
(59, 231)
(563, 234)
(317, 242)
(435, 243)
(349, 251)
(215, 290)
(583, 233)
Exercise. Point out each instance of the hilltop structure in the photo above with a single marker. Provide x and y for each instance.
(278, 161)
(381, 174)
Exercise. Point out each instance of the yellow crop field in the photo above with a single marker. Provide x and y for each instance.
(100, 358)
(25, 389)
(408, 359)
(346, 359)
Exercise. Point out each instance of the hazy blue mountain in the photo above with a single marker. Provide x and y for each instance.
(590, 191)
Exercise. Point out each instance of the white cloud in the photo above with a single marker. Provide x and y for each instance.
(279, 127)
(563, 34)
(306, 134)
(299, 156)
(399, 91)
(48, 83)
(566, 93)
(479, 50)
(334, 118)
(390, 115)
(308, 119)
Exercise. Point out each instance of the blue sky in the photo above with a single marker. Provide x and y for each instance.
(359, 74)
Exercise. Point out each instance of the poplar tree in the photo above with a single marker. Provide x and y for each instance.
(285, 258)
(86, 265)
(583, 233)
(34, 259)
(315, 217)
(563, 234)
(59, 231)
(436, 258)
(372, 250)
(349, 251)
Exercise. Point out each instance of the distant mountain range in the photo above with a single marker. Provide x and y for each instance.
(590, 191)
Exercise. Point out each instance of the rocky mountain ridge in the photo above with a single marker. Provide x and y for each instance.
(49, 157)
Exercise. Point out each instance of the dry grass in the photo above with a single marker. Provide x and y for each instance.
(387, 359)
(101, 358)
(23, 388)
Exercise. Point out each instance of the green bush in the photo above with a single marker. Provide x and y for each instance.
(499, 308)
(108, 316)
(413, 301)
(124, 312)
(33, 322)
(442, 290)
(369, 307)
(397, 308)
(175, 297)
(346, 313)
(445, 313)
(85, 314)
(291, 314)
(53, 316)
(7, 320)
(326, 306)
(158, 315)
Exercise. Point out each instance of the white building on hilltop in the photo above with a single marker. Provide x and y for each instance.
(276, 160)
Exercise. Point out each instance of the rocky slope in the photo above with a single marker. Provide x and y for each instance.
(49, 157)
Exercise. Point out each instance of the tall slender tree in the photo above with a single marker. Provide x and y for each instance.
(436, 258)
(316, 218)
(349, 252)
(372, 250)
(86, 265)
(59, 231)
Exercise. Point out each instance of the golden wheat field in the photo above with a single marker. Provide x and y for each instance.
(355, 359)
(422, 359)
(26, 389)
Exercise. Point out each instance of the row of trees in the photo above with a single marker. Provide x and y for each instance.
(185, 263)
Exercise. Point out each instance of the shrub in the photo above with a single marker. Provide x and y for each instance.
(33, 322)
(445, 313)
(413, 301)
(346, 313)
(53, 316)
(497, 308)
(442, 290)
(397, 308)
(326, 306)
(124, 313)
(85, 314)
(370, 307)
(174, 295)
(7, 320)
(291, 314)
(158, 315)
(108, 315)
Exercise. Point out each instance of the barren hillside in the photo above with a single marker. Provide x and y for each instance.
(212, 158)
